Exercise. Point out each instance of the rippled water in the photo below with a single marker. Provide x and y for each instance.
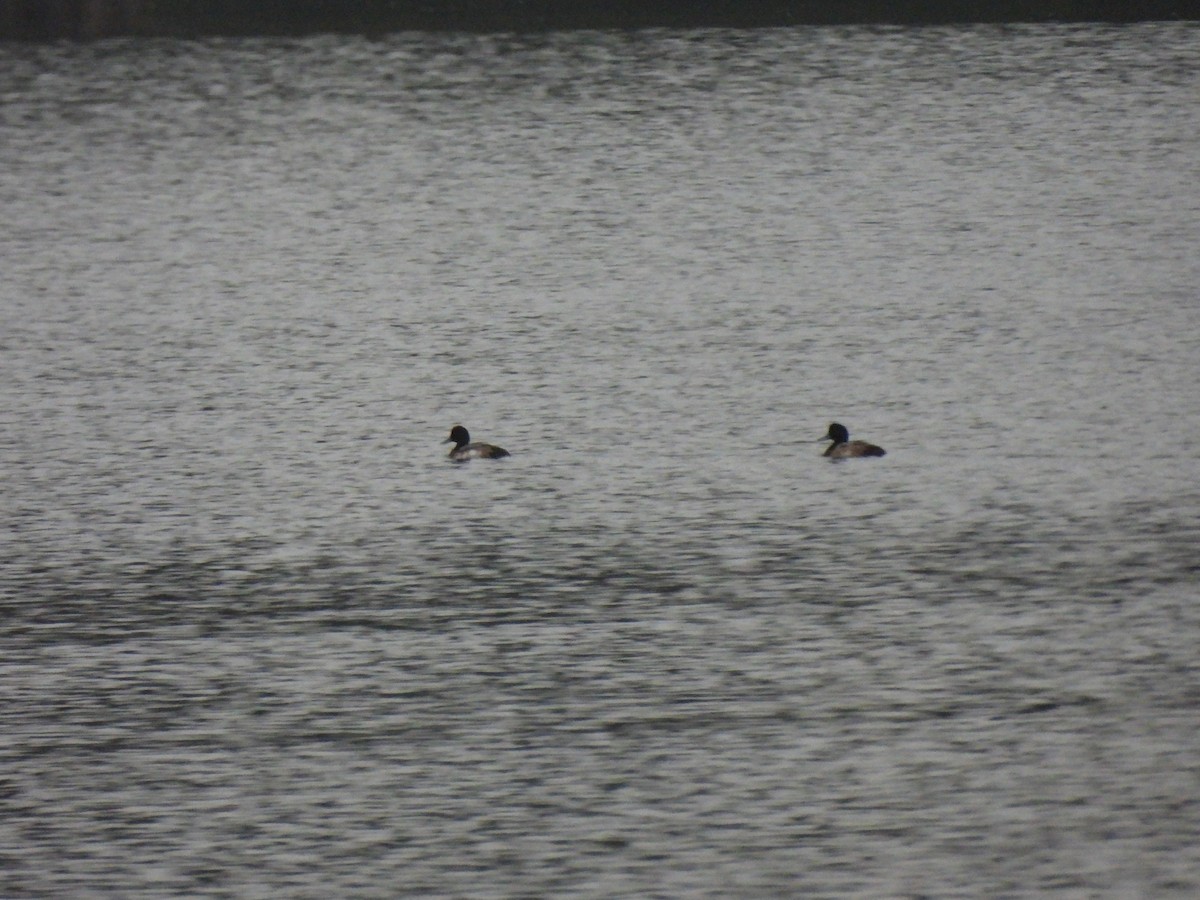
(261, 639)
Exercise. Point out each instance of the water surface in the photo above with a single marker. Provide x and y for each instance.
(261, 639)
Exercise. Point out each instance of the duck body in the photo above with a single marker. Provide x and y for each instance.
(844, 448)
(464, 450)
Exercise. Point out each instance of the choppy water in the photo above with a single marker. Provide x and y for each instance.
(261, 639)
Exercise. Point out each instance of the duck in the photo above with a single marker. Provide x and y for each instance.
(844, 448)
(463, 448)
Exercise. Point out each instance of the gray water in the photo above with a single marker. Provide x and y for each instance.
(261, 639)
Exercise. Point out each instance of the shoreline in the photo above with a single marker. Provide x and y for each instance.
(83, 20)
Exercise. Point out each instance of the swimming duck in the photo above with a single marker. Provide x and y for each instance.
(844, 448)
(464, 449)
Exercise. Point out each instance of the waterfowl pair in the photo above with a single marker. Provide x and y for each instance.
(463, 448)
(844, 448)
(841, 448)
